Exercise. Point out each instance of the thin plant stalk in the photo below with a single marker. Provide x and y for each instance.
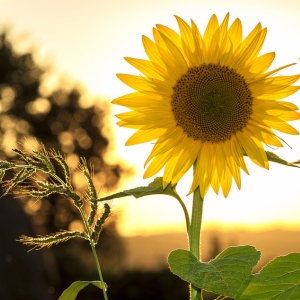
(95, 254)
(194, 236)
(91, 243)
(186, 213)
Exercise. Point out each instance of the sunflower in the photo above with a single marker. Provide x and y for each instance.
(207, 100)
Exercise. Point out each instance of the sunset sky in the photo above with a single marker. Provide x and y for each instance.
(86, 42)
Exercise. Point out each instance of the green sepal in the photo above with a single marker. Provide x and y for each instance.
(279, 279)
(223, 275)
(154, 188)
(72, 291)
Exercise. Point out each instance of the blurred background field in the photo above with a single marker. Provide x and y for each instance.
(58, 63)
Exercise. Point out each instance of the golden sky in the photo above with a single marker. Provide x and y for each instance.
(87, 40)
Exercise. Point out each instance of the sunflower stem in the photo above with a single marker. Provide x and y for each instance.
(194, 236)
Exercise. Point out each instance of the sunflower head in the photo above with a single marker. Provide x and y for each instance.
(207, 100)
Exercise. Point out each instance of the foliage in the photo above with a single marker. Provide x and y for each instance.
(71, 292)
(29, 164)
(222, 275)
(229, 274)
(60, 119)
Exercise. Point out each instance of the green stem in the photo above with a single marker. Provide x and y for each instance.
(94, 252)
(90, 238)
(221, 297)
(89, 234)
(186, 213)
(194, 236)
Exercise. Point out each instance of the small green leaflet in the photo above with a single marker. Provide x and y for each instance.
(278, 280)
(154, 188)
(72, 291)
(222, 275)
(275, 158)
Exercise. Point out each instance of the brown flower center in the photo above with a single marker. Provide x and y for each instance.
(211, 103)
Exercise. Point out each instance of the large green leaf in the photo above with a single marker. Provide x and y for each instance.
(278, 280)
(154, 188)
(222, 275)
(72, 291)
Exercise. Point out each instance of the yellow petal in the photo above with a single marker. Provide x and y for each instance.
(289, 105)
(252, 148)
(220, 159)
(127, 115)
(245, 53)
(146, 86)
(268, 74)
(226, 51)
(215, 182)
(226, 182)
(267, 138)
(126, 125)
(199, 44)
(137, 101)
(157, 164)
(213, 53)
(263, 106)
(159, 40)
(144, 136)
(259, 146)
(284, 115)
(180, 61)
(211, 28)
(237, 154)
(283, 93)
(258, 45)
(259, 65)
(171, 34)
(224, 27)
(186, 159)
(250, 37)
(169, 169)
(282, 127)
(206, 161)
(170, 63)
(236, 173)
(196, 176)
(146, 67)
(231, 164)
(272, 85)
(151, 117)
(152, 51)
(235, 33)
(165, 144)
(188, 42)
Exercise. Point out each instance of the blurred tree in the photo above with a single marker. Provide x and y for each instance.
(61, 123)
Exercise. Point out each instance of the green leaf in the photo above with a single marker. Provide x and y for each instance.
(72, 291)
(278, 280)
(275, 158)
(154, 188)
(222, 275)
